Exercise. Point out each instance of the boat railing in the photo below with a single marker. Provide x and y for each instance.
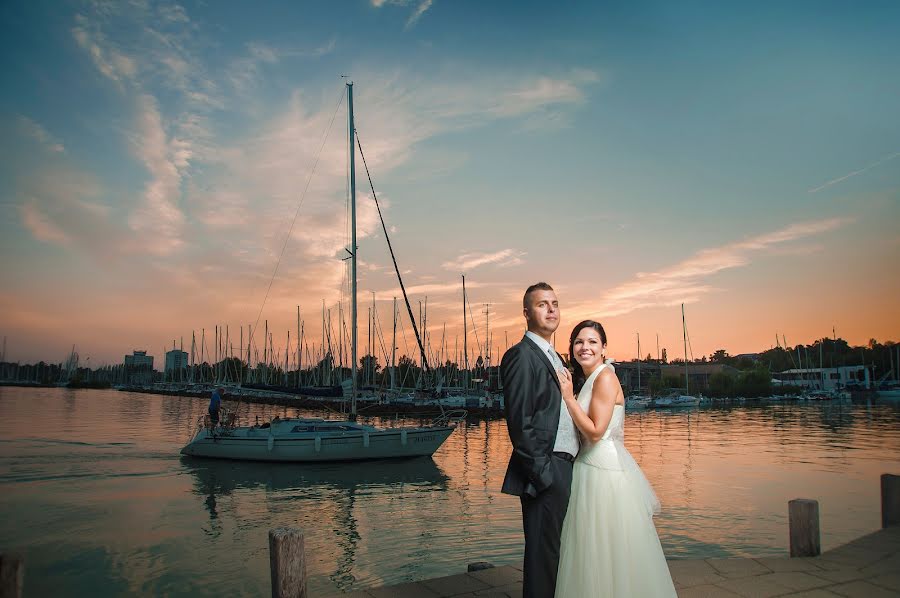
(227, 422)
(451, 417)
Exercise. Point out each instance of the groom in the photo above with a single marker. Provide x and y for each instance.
(543, 436)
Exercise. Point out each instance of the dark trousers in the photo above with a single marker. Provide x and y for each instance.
(542, 520)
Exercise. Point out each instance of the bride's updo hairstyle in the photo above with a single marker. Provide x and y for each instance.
(578, 376)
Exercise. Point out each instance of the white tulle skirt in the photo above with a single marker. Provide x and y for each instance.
(609, 544)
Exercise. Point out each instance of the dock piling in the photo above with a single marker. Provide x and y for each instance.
(12, 575)
(803, 521)
(890, 500)
(287, 562)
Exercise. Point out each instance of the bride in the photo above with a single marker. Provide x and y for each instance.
(609, 545)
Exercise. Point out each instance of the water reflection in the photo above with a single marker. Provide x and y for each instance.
(101, 477)
(307, 487)
(223, 476)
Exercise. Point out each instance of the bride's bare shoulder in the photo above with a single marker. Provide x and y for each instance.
(607, 385)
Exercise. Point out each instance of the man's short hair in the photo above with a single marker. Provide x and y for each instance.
(538, 286)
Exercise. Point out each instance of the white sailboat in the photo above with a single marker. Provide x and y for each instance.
(681, 400)
(310, 440)
(637, 400)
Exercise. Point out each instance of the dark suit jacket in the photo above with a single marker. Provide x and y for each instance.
(532, 400)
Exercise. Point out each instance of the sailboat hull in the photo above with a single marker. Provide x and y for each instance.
(677, 401)
(356, 444)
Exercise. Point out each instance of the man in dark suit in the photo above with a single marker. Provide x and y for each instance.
(543, 436)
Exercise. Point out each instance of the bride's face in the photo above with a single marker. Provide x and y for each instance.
(588, 349)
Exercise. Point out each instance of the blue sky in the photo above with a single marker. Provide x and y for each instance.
(742, 159)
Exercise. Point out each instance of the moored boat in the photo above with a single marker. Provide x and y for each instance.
(305, 440)
(677, 401)
(311, 440)
(637, 402)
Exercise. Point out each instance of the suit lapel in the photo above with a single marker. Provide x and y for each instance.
(545, 359)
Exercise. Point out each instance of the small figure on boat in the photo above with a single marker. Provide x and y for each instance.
(215, 406)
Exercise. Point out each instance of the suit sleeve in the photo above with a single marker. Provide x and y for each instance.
(530, 444)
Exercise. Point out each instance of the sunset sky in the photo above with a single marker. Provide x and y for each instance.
(743, 159)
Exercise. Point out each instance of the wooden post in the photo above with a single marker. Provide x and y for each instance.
(12, 575)
(890, 500)
(287, 562)
(803, 520)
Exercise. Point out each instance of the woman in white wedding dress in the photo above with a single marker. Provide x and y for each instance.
(609, 545)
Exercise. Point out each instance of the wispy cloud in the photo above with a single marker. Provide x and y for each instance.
(108, 59)
(881, 161)
(60, 205)
(40, 226)
(685, 282)
(212, 210)
(417, 13)
(546, 91)
(245, 72)
(421, 7)
(159, 215)
(470, 261)
(37, 132)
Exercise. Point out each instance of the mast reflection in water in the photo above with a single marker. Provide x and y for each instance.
(315, 495)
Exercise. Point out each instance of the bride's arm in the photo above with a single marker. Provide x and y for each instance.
(593, 424)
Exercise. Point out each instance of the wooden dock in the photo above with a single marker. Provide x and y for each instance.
(868, 567)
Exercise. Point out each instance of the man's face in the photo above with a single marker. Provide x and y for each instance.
(542, 313)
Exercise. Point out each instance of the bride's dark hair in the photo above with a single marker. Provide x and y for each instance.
(578, 376)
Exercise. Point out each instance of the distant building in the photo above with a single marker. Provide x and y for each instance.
(699, 374)
(139, 368)
(750, 356)
(176, 364)
(139, 359)
(827, 378)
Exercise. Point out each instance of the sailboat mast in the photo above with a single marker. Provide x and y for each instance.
(639, 362)
(350, 136)
(394, 348)
(465, 333)
(687, 388)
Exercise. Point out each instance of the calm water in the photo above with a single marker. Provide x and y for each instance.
(94, 492)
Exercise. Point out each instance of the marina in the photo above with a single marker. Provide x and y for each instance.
(263, 263)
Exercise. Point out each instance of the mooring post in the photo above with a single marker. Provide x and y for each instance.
(287, 562)
(12, 575)
(890, 500)
(803, 520)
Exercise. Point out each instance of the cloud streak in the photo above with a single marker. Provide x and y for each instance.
(684, 282)
(420, 9)
(37, 132)
(887, 158)
(159, 217)
(470, 261)
(423, 6)
(222, 165)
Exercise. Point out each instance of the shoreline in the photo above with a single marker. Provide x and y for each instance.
(333, 405)
(337, 405)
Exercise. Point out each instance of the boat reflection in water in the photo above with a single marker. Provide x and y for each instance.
(343, 509)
